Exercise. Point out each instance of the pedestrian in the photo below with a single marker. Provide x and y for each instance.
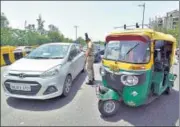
(89, 60)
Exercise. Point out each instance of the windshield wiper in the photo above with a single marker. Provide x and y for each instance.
(39, 57)
(58, 57)
(131, 50)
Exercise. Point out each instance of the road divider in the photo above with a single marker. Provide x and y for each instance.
(8, 56)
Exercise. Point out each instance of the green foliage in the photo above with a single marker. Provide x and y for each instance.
(173, 32)
(4, 21)
(6, 36)
(30, 35)
(81, 40)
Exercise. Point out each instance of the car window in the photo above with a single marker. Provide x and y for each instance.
(78, 49)
(73, 51)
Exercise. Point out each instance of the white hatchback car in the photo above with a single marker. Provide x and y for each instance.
(47, 72)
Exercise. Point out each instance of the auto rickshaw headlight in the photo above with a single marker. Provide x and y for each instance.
(129, 80)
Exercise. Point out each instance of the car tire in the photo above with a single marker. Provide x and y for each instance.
(67, 86)
(103, 109)
(84, 68)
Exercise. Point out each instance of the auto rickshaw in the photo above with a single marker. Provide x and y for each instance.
(137, 67)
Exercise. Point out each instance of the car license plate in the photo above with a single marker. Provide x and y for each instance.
(20, 87)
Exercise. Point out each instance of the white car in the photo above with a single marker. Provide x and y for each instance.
(47, 72)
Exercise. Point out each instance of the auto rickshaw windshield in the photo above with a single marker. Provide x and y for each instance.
(128, 51)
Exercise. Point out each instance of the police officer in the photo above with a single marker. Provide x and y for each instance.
(89, 60)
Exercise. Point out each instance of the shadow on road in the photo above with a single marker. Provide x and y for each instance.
(50, 104)
(162, 111)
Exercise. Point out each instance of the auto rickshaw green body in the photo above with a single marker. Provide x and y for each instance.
(151, 85)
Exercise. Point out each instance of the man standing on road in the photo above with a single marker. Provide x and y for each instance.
(89, 60)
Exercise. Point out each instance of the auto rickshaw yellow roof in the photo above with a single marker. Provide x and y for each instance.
(154, 35)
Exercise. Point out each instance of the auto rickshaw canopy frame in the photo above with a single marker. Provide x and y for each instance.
(148, 34)
(153, 35)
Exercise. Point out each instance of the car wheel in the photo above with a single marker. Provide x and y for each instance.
(84, 68)
(67, 86)
(108, 108)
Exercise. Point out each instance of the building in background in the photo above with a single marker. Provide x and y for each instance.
(170, 21)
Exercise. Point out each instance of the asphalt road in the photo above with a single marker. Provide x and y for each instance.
(80, 109)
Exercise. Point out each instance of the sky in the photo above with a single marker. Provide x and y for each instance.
(97, 18)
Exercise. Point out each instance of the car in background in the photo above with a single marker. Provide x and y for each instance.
(26, 49)
(47, 72)
(98, 52)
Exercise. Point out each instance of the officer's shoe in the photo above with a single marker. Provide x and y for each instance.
(89, 82)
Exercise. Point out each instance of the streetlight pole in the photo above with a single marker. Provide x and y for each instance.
(144, 6)
(76, 31)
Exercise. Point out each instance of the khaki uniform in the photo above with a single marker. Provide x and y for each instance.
(90, 61)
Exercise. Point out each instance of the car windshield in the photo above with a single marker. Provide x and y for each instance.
(128, 51)
(58, 51)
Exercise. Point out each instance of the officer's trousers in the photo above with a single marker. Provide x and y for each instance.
(89, 67)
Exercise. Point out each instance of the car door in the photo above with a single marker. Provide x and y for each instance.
(72, 62)
(80, 58)
(75, 60)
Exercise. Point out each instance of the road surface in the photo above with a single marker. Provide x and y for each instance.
(80, 109)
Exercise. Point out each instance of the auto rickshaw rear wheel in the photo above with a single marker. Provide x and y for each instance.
(108, 107)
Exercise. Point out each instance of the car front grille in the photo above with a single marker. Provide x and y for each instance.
(25, 75)
(34, 88)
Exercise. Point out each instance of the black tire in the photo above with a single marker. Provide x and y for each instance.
(102, 104)
(83, 70)
(168, 90)
(66, 90)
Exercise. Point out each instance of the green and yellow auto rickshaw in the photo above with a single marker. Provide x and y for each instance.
(137, 67)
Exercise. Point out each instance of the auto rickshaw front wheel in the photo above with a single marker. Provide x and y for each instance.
(108, 107)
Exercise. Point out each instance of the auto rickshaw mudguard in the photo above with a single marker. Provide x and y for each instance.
(108, 95)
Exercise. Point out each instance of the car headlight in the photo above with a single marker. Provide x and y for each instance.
(6, 73)
(102, 71)
(52, 72)
(129, 80)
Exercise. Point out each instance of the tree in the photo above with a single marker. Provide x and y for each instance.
(173, 32)
(4, 21)
(53, 28)
(54, 36)
(40, 25)
(30, 36)
(31, 27)
(6, 36)
(81, 40)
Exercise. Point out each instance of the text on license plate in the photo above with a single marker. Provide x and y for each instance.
(20, 87)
